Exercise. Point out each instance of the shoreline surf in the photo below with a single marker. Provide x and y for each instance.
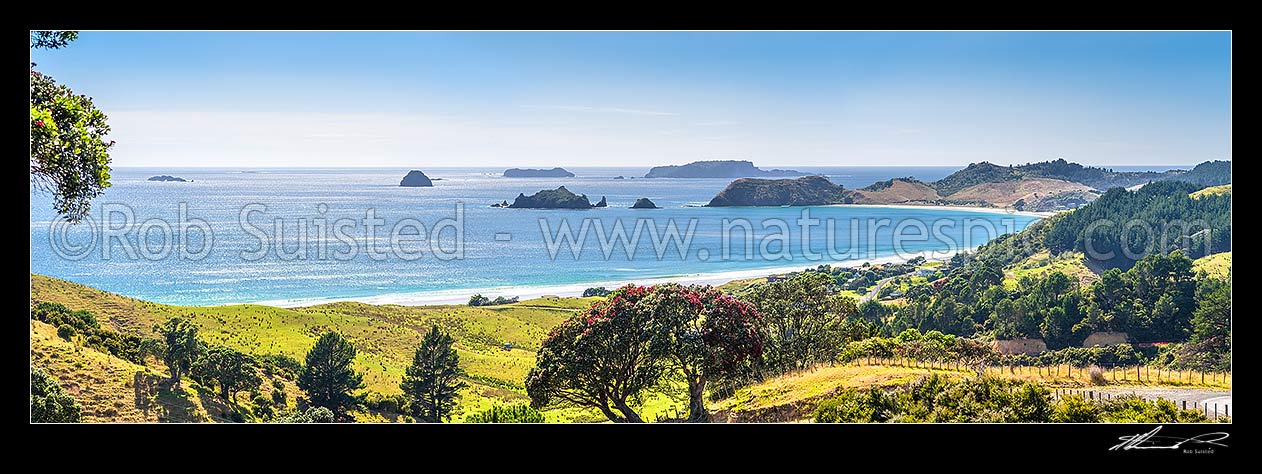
(525, 292)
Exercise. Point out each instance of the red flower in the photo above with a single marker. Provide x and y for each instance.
(39, 123)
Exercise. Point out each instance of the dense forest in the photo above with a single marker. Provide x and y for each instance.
(1122, 226)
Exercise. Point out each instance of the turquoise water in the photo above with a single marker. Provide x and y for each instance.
(518, 263)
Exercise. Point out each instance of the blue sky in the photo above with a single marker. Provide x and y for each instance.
(416, 99)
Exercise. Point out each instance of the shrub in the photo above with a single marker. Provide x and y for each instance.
(939, 399)
(499, 300)
(386, 403)
(278, 397)
(1133, 409)
(1097, 375)
(596, 291)
(66, 331)
(262, 406)
(848, 407)
(286, 366)
(312, 415)
(49, 403)
(1075, 409)
(509, 414)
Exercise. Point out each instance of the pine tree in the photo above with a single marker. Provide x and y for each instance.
(433, 381)
(328, 377)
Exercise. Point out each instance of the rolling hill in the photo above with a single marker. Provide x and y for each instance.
(385, 335)
(897, 190)
(1032, 193)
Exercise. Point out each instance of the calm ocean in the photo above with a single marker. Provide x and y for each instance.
(505, 250)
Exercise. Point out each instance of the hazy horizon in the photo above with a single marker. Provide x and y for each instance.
(788, 166)
(571, 99)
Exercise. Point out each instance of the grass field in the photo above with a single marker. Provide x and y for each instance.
(1218, 265)
(385, 335)
(1043, 263)
(1223, 189)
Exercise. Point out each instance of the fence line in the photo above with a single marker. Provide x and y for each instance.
(1212, 411)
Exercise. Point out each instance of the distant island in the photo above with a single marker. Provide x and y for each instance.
(416, 179)
(644, 203)
(805, 191)
(534, 173)
(1038, 187)
(717, 169)
(559, 198)
(169, 178)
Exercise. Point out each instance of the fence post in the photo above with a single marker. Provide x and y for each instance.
(1091, 394)
(1226, 409)
(1185, 404)
(1215, 411)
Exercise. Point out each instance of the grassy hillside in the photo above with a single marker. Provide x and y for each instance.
(1009, 192)
(110, 389)
(793, 397)
(895, 191)
(386, 335)
(1212, 190)
(1218, 264)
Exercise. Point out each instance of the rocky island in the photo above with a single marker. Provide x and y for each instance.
(717, 169)
(644, 203)
(416, 179)
(169, 178)
(534, 173)
(804, 191)
(559, 198)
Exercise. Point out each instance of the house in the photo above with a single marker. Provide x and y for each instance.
(926, 271)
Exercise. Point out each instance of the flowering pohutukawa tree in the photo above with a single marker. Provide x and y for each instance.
(69, 154)
(602, 357)
(611, 353)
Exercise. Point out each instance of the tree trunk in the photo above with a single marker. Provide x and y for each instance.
(610, 414)
(697, 412)
(631, 415)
